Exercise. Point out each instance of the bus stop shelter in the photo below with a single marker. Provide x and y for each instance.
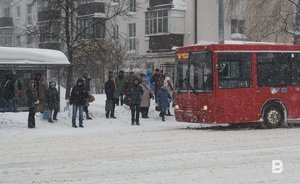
(25, 63)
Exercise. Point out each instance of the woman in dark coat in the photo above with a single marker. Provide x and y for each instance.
(52, 98)
(79, 95)
(134, 93)
(32, 99)
(110, 91)
(164, 99)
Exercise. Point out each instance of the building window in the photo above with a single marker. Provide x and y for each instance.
(156, 22)
(237, 26)
(6, 12)
(18, 11)
(132, 5)
(115, 34)
(49, 32)
(6, 37)
(132, 37)
(91, 28)
(29, 14)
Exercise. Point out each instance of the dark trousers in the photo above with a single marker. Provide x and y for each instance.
(144, 111)
(31, 119)
(135, 113)
(55, 112)
(112, 112)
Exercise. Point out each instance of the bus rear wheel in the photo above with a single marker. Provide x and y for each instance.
(273, 116)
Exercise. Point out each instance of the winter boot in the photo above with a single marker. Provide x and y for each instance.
(87, 115)
(107, 114)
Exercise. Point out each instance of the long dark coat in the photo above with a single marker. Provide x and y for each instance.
(52, 98)
(110, 90)
(32, 96)
(134, 92)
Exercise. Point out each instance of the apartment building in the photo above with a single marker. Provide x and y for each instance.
(16, 19)
(151, 33)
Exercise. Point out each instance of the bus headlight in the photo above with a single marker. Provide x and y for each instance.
(176, 107)
(205, 108)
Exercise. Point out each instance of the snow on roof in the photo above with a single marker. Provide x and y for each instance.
(234, 42)
(31, 56)
(179, 4)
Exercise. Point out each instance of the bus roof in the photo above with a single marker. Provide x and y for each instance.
(31, 57)
(239, 47)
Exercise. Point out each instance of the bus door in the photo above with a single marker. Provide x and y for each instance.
(235, 95)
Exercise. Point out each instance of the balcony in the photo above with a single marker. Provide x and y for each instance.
(6, 22)
(153, 3)
(91, 8)
(164, 43)
(48, 15)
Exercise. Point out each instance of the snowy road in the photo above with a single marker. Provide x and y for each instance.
(114, 152)
(164, 154)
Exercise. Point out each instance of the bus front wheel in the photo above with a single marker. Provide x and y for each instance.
(273, 116)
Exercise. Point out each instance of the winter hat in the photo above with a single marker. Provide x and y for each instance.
(52, 83)
(80, 79)
(167, 79)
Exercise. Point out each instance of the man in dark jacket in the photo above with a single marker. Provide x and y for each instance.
(52, 99)
(32, 100)
(134, 93)
(156, 81)
(87, 81)
(79, 95)
(110, 91)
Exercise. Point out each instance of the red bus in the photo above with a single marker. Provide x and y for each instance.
(238, 83)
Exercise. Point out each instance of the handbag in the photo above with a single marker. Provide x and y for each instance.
(127, 100)
(157, 108)
(91, 98)
(109, 106)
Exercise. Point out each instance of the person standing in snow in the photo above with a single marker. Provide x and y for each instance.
(145, 98)
(52, 99)
(134, 93)
(157, 80)
(87, 81)
(110, 91)
(170, 89)
(32, 100)
(163, 98)
(120, 84)
(9, 94)
(78, 98)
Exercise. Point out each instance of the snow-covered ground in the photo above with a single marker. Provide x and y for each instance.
(113, 151)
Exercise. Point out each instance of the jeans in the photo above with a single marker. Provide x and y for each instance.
(75, 109)
(135, 113)
(9, 105)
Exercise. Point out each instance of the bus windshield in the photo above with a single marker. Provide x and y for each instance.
(194, 72)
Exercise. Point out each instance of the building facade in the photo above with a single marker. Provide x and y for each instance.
(151, 31)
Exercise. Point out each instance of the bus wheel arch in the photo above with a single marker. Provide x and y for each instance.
(274, 114)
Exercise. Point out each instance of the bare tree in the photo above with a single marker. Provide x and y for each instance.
(271, 20)
(63, 24)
